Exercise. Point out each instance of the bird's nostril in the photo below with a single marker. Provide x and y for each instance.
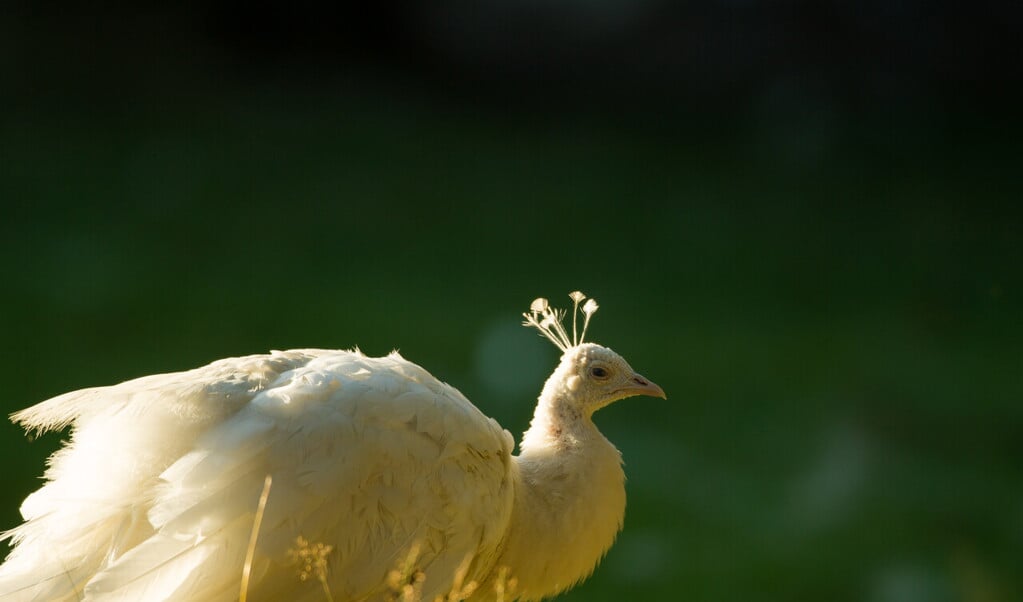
(640, 381)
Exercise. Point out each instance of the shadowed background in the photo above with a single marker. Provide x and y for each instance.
(799, 218)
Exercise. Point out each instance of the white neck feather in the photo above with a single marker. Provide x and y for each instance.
(569, 498)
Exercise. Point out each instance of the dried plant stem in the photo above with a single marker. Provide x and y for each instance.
(504, 585)
(251, 551)
(326, 588)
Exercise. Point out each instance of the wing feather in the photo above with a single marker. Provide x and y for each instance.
(123, 437)
(370, 456)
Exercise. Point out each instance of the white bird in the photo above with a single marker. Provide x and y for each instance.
(314, 475)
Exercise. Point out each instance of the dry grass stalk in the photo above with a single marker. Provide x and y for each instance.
(251, 550)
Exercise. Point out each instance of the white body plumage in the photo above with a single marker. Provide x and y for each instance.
(156, 494)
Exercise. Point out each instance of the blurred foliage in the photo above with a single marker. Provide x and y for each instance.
(831, 298)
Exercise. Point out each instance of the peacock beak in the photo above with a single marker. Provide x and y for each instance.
(643, 386)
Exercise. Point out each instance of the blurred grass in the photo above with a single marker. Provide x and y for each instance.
(837, 324)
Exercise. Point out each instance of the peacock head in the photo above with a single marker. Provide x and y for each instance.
(592, 374)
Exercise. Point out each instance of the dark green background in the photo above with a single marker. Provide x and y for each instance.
(826, 281)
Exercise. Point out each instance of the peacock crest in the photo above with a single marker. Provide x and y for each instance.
(549, 320)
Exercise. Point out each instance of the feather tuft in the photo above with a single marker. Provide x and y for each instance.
(550, 321)
(589, 308)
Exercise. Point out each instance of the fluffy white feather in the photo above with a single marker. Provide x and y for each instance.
(155, 495)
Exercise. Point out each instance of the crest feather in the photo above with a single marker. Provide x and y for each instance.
(549, 320)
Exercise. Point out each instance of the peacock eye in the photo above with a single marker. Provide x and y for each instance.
(598, 372)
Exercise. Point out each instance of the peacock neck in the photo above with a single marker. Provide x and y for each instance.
(569, 499)
(558, 422)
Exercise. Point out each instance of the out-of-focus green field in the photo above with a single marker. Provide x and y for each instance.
(836, 320)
